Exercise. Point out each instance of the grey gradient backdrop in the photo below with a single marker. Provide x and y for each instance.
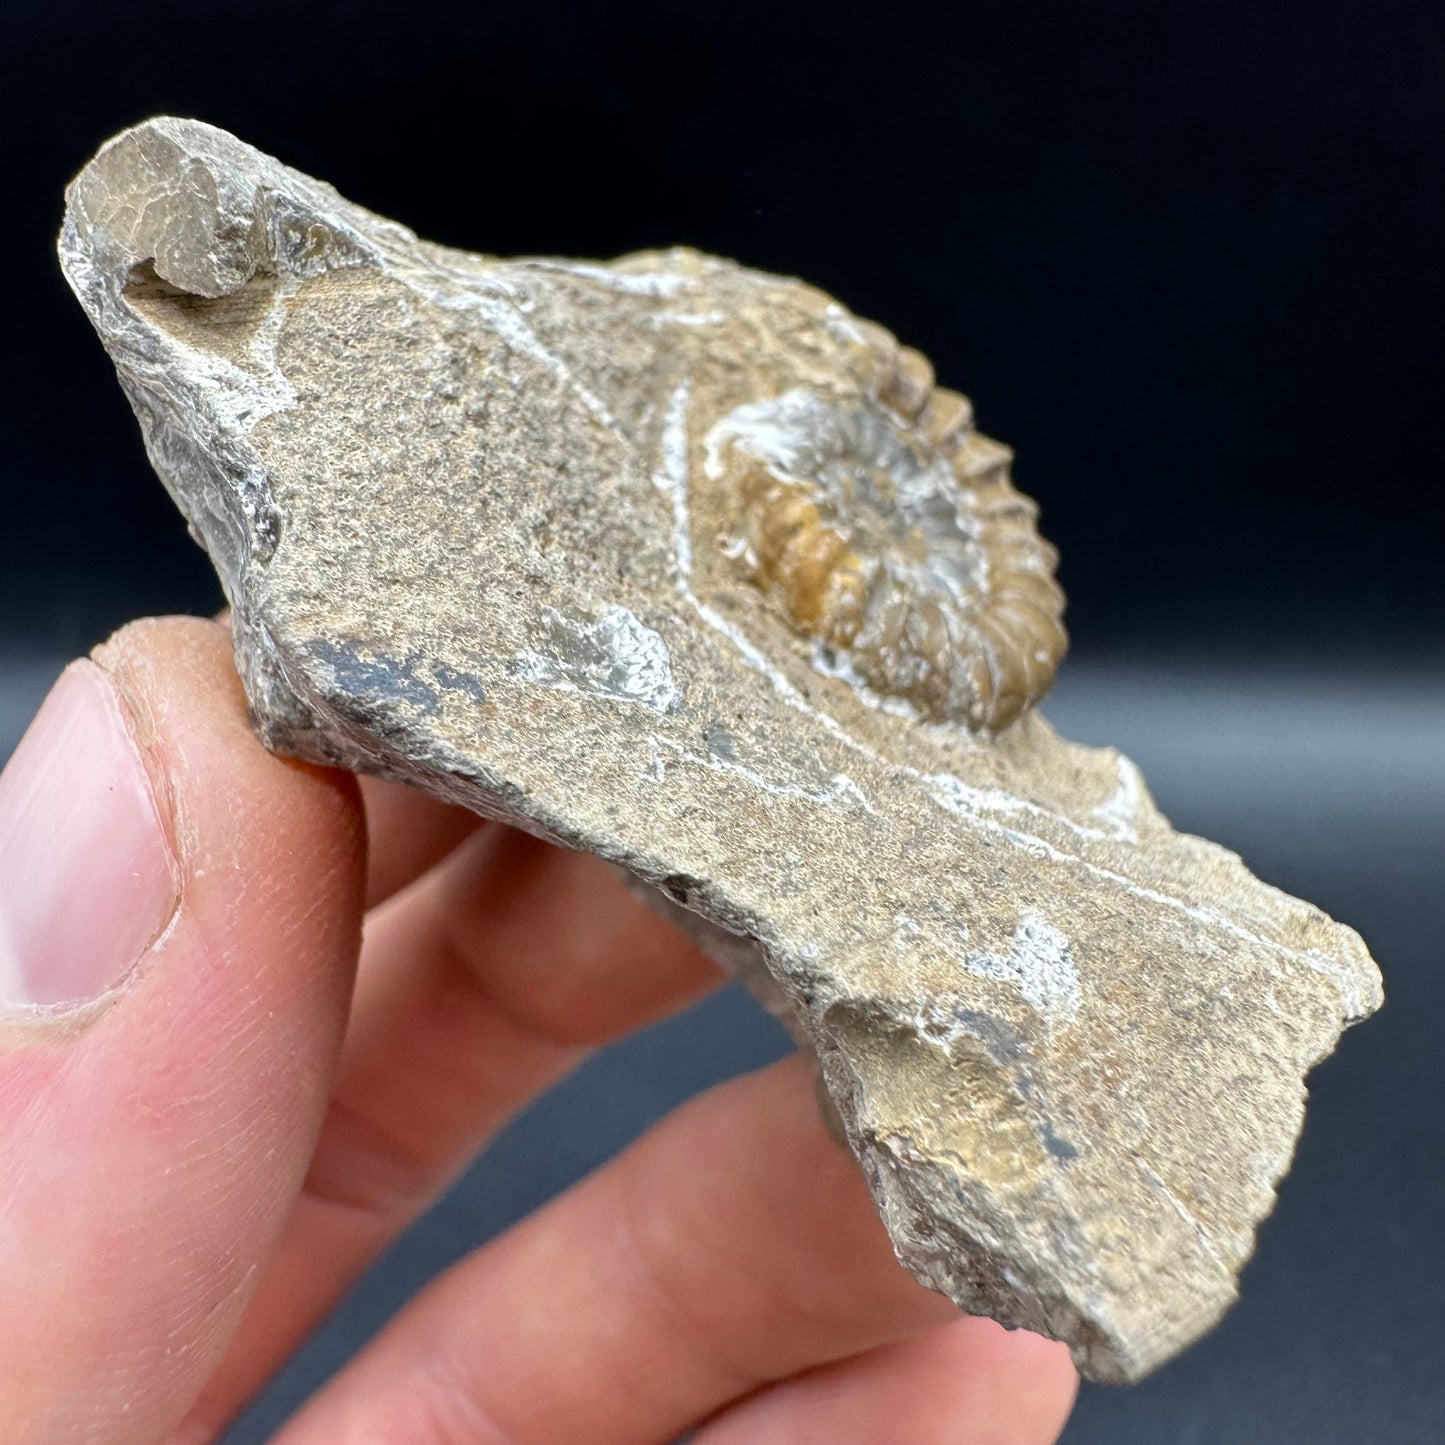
(1332, 788)
(1185, 256)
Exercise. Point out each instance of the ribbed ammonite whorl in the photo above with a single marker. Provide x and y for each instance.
(888, 530)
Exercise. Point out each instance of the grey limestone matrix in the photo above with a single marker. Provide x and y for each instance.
(686, 565)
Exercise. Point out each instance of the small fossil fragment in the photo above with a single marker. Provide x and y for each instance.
(684, 564)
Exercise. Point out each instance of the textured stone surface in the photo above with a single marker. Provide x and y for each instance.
(685, 565)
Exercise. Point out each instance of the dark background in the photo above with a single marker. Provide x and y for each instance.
(1185, 257)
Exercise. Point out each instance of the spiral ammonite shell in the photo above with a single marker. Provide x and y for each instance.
(886, 529)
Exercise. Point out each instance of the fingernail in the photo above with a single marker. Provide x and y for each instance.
(88, 880)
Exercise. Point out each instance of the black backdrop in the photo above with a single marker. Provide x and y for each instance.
(1186, 257)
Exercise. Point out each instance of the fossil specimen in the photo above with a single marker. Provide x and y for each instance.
(684, 564)
(887, 529)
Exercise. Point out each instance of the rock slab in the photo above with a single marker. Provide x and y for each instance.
(685, 565)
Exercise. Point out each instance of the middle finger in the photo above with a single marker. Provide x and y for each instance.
(733, 1245)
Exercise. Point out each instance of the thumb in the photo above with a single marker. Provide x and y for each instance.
(179, 920)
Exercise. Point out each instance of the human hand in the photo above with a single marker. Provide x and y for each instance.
(197, 1162)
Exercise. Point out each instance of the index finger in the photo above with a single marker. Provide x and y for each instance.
(480, 987)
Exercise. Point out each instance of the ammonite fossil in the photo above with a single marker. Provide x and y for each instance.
(886, 528)
(878, 522)
(684, 564)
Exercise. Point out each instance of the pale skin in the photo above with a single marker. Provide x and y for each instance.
(194, 1171)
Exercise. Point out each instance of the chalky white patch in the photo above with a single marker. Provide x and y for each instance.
(614, 657)
(1039, 963)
